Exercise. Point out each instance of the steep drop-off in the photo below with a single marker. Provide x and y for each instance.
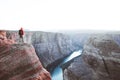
(100, 60)
(50, 47)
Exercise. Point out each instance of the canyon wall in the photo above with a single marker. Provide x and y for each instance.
(50, 47)
(100, 59)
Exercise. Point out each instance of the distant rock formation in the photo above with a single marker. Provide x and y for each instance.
(20, 62)
(79, 39)
(100, 60)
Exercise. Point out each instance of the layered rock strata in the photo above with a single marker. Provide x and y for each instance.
(100, 60)
(20, 62)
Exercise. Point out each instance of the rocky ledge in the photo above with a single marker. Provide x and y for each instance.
(100, 60)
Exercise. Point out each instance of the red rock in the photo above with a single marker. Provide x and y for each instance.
(20, 62)
(4, 40)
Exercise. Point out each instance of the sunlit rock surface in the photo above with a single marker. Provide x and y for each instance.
(100, 60)
(20, 62)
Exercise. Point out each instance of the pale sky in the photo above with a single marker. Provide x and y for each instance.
(60, 14)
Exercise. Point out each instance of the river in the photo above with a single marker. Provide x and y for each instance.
(57, 73)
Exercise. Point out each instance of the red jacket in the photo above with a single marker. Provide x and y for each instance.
(21, 32)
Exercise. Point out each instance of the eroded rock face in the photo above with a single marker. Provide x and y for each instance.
(48, 46)
(53, 47)
(20, 62)
(100, 60)
(4, 40)
(79, 39)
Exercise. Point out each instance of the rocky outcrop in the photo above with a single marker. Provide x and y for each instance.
(4, 40)
(100, 60)
(20, 62)
(50, 47)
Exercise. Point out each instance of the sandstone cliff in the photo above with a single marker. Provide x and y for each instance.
(20, 62)
(100, 60)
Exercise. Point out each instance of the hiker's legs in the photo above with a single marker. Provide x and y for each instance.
(21, 39)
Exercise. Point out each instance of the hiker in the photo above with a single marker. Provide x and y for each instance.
(21, 33)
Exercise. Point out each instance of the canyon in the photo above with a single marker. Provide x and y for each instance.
(99, 59)
(50, 47)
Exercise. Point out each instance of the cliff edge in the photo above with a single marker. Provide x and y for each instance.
(20, 62)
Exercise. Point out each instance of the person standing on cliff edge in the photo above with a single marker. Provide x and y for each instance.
(21, 33)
